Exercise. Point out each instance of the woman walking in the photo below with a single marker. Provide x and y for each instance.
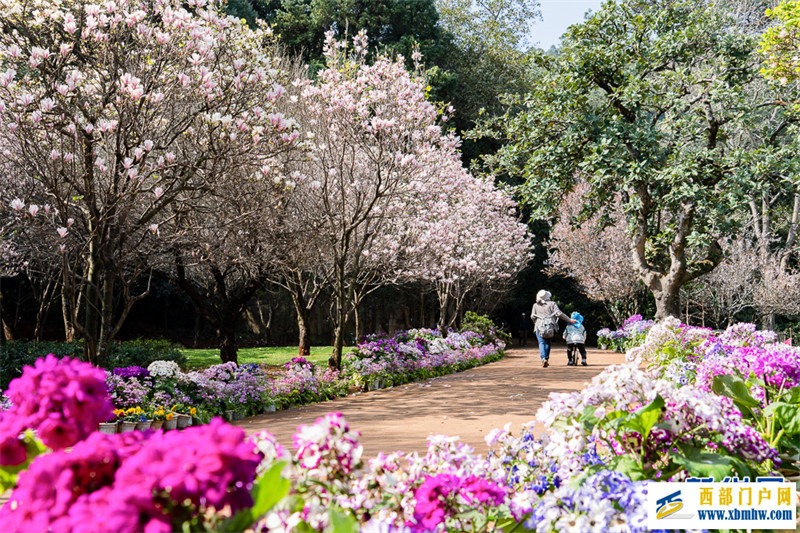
(546, 313)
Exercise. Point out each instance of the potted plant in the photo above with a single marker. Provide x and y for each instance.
(110, 427)
(158, 415)
(170, 421)
(184, 414)
(130, 417)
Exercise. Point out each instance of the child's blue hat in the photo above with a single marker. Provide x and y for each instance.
(577, 316)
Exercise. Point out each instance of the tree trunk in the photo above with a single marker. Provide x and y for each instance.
(304, 341)
(444, 305)
(768, 322)
(342, 300)
(92, 318)
(358, 324)
(302, 312)
(668, 302)
(69, 329)
(106, 321)
(228, 350)
(335, 362)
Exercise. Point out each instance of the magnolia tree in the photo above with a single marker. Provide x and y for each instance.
(303, 266)
(595, 252)
(373, 144)
(120, 115)
(223, 251)
(464, 236)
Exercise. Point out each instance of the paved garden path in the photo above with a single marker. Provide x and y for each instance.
(466, 404)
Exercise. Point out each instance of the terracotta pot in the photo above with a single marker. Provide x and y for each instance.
(124, 427)
(108, 427)
(170, 424)
(157, 424)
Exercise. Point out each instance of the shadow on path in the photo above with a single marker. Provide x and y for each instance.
(466, 404)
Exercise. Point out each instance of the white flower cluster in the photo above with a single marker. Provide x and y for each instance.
(166, 369)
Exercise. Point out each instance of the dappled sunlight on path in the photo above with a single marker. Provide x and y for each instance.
(466, 404)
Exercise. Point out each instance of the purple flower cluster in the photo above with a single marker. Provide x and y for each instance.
(606, 501)
(131, 372)
(631, 333)
(417, 354)
(62, 399)
(134, 482)
(298, 364)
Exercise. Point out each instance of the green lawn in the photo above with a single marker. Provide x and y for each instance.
(271, 356)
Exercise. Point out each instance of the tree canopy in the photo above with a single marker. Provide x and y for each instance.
(645, 100)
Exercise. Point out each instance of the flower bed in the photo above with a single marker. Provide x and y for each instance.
(687, 403)
(416, 354)
(631, 334)
(232, 391)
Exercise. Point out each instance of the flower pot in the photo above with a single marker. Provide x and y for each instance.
(229, 414)
(124, 427)
(269, 408)
(144, 424)
(184, 421)
(170, 424)
(108, 427)
(157, 424)
(238, 415)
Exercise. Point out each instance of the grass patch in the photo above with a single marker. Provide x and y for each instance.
(276, 356)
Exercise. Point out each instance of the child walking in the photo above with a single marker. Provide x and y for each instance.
(575, 335)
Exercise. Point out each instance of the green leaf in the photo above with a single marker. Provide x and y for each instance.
(702, 464)
(792, 395)
(627, 465)
(787, 414)
(343, 522)
(735, 388)
(268, 489)
(649, 415)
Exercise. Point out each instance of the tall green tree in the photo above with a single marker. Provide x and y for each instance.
(645, 100)
(394, 24)
(489, 42)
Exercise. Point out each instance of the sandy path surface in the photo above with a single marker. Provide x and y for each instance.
(466, 404)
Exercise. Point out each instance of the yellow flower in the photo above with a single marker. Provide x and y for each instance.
(169, 416)
(193, 411)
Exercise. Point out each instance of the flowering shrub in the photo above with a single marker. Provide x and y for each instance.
(165, 369)
(136, 481)
(742, 367)
(585, 473)
(63, 400)
(417, 354)
(632, 333)
(253, 389)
